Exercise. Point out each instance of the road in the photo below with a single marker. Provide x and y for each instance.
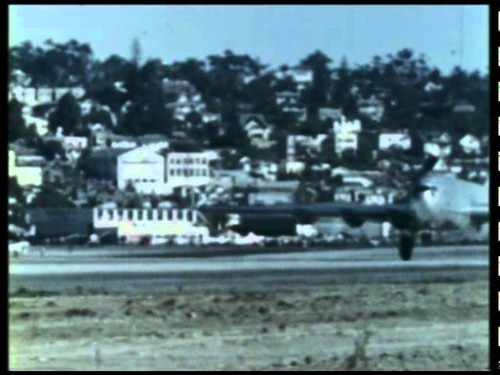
(152, 270)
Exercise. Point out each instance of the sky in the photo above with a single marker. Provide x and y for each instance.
(275, 34)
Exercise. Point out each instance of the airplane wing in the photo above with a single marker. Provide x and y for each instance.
(354, 214)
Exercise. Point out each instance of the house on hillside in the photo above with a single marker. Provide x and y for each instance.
(32, 96)
(258, 130)
(102, 137)
(310, 143)
(470, 144)
(26, 166)
(372, 108)
(346, 134)
(436, 143)
(392, 140)
(178, 87)
(41, 125)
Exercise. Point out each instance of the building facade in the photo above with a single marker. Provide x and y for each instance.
(133, 224)
(154, 169)
(346, 134)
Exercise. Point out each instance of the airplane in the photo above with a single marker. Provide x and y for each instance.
(436, 201)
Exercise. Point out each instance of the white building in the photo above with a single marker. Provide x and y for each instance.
(28, 170)
(32, 96)
(102, 135)
(75, 143)
(258, 130)
(346, 134)
(267, 169)
(431, 86)
(134, 224)
(154, 169)
(401, 141)
(470, 144)
(302, 76)
(12, 163)
(372, 108)
(210, 117)
(294, 167)
(41, 125)
(287, 98)
(308, 142)
(438, 146)
(332, 114)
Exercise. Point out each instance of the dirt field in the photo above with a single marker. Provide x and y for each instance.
(373, 327)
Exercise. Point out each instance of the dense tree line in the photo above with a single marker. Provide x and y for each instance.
(230, 81)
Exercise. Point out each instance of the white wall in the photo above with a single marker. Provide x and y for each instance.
(400, 140)
(150, 222)
(343, 141)
(27, 175)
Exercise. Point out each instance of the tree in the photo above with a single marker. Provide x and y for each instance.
(259, 92)
(67, 115)
(193, 71)
(15, 190)
(50, 149)
(316, 95)
(111, 70)
(194, 118)
(98, 116)
(49, 197)
(57, 64)
(17, 125)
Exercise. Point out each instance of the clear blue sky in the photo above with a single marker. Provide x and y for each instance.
(276, 34)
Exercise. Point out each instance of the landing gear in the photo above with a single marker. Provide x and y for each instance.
(406, 244)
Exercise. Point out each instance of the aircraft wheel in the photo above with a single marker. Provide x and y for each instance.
(406, 244)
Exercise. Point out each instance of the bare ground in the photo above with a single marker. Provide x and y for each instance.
(441, 326)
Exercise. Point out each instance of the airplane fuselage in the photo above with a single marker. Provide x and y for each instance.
(447, 202)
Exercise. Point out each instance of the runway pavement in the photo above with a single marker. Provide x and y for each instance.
(156, 270)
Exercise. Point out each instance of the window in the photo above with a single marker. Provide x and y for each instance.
(169, 215)
(150, 214)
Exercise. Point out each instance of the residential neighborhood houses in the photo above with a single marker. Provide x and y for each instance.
(96, 158)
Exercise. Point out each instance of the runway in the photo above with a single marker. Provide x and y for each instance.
(154, 270)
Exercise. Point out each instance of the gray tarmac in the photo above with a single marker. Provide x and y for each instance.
(151, 270)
